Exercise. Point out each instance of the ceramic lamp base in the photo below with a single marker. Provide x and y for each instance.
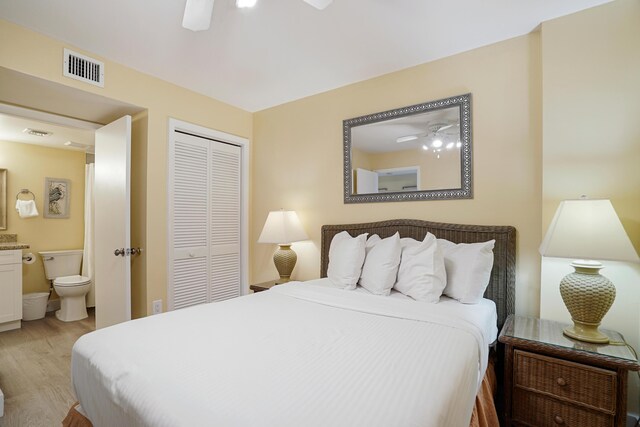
(588, 296)
(285, 259)
(585, 332)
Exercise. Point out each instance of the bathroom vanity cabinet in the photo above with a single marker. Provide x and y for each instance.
(10, 289)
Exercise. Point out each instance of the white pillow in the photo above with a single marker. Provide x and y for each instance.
(422, 274)
(468, 268)
(346, 255)
(371, 241)
(381, 264)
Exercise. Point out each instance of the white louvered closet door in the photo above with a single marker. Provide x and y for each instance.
(190, 195)
(205, 221)
(225, 221)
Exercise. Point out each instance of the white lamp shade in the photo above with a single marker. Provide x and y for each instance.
(587, 229)
(282, 227)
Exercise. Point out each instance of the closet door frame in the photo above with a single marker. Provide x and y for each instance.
(244, 144)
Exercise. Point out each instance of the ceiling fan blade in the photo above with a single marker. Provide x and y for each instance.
(197, 15)
(318, 4)
(444, 128)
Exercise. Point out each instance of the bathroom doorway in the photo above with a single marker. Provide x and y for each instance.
(40, 156)
(94, 111)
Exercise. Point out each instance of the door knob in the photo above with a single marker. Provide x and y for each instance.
(134, 251)
(119, 252)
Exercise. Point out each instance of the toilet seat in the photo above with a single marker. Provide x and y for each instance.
(69, 281)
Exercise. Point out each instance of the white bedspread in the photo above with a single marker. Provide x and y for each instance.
(297, 355)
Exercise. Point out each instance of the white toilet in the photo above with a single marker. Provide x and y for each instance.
(63, 267)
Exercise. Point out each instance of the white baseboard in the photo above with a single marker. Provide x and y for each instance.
(9, 326)
(53, 305)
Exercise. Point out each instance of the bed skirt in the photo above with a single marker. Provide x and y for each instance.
(484, 411)
(75, 418)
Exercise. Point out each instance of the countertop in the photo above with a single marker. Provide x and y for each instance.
(10, 246)
(9, 242)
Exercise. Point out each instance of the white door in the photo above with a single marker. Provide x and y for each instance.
(112, 226)
(366, 181)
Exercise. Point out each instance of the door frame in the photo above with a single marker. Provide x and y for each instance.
(216, 135)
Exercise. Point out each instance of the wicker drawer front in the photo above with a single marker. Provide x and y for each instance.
(530, 408)
(573, 381)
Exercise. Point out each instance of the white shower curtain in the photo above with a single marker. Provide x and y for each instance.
(87, 257)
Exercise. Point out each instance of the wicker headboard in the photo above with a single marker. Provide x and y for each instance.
(501, 288)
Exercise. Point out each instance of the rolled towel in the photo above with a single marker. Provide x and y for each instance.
(26, 208)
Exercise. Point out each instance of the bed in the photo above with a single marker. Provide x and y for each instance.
(304, 353)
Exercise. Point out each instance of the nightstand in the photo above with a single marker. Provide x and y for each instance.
(264, 286)
(553, 380)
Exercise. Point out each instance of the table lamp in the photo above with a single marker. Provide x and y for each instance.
(590, 230)
(283, 227)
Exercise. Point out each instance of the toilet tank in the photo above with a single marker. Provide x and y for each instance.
(61, 263)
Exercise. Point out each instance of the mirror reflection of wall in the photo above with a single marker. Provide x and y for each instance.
(432, 139)
(387, 180)
(398, 179)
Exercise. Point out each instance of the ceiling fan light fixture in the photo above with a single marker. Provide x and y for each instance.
(240, 4)
(197, 15)
(437, 143)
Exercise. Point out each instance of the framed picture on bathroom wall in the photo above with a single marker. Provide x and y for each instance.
(56, 201)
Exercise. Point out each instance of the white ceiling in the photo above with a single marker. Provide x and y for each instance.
(11, 129)
(281, 50)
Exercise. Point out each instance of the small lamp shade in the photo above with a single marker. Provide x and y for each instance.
(283, 227)
(591, 230)
(587, 229)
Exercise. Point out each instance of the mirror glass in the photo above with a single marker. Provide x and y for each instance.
(413, 153)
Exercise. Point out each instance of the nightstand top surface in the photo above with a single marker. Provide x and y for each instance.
(264, 285)
(520, 330)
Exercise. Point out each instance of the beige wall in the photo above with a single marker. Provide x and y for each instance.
(591, 93)
(435, 173)
(139, 137)
(360, 159)
(34, 54)
(27, 166)
(298, 155)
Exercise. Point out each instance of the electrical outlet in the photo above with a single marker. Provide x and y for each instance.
(157, 306)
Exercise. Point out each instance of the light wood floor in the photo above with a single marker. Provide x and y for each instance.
(35, 370)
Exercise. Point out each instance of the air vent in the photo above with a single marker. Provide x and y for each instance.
(37, 132)
(83, 68)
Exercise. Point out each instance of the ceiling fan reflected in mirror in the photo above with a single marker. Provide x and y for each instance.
(197, 13)
(436, 132)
